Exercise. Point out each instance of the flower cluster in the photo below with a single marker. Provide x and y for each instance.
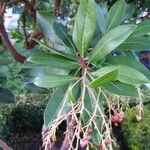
(86, 138)
(117, 118)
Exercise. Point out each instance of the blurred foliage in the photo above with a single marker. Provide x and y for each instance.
(23, 117)
(137, 134)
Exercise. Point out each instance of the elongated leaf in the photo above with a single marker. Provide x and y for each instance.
(56, 107)
(111, 41)
(131, 76)
(50, 81)
(73, 92)
(136, 44)
(130, 10)
(90, 106)
(101, 12)
(116, 15)
(119, 88)
(53, 60)
(30, 87)
(85, 25)
(105, 75)
(6, 96)
(104, 70)
(129, 61)
(45, 21)
(62, 33)
(143, 28)
(53, 50)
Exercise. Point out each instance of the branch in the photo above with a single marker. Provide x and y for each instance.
(5, 38)
(30, 8)
(69, 132)
(57, 4)
(4, 146)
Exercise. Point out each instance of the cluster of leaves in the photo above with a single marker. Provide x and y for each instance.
(136, 133)
(84, 63)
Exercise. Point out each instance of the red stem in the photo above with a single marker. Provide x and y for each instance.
(7, 42)
(4, 146)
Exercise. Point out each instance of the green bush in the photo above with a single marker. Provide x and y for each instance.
(23, 117)
(137, 134)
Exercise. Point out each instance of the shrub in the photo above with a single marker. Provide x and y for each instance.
(24, 117)
(137, 133)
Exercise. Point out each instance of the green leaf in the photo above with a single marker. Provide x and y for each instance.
(130, 10)
(89, 105)
(73, 92)
(131, 76)
(85, 25)
(51, 70)
(51, 81)
(143, 28)
(53, 60)
(101, 11)
(136, 44)
(4, 73)
(116, 15)
(111, 41)
(105, 75)
(129, 61)
(119, 88)
(57, 106)
(62, 33)
(53, 50)
(45, 21)
(6, 96)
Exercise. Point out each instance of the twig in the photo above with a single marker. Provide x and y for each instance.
(4, 146)
(5, 38)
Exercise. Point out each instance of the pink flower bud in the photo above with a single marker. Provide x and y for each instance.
(101, 147)
(121, 114)
(87, 137)
(90, 130)
(83, 142)
(116, 124)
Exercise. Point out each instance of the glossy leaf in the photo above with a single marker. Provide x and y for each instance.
(131, 76)
(6, 96)
(56, 107)
(143, 28)
(53, 60)
(129, 61)
(101, 12)
(62, 33)
(119, 88)
(51, 81)
(136, 44)
(89, 105)
(45, 21)
(85, 25)
(116, 15)
(105, 75)
(30, 87)
(111, 41)
(73, 92)
(130, 10)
